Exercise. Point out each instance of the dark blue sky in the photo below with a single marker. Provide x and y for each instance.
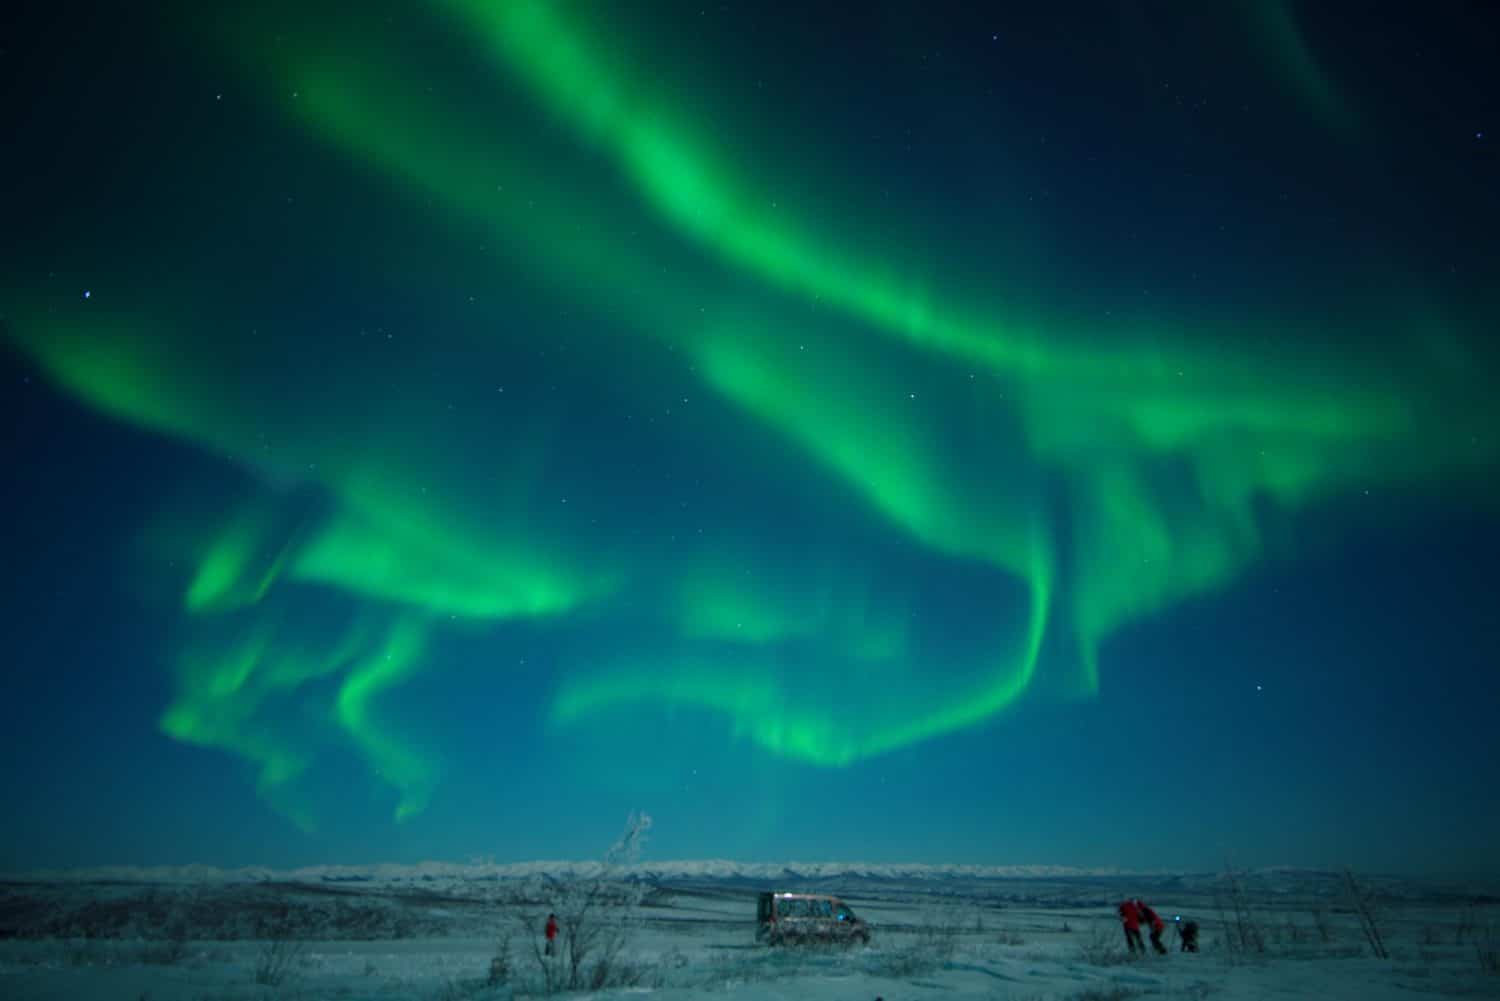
(981, 436)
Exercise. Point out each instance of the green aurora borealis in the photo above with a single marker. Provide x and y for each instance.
(670, 377)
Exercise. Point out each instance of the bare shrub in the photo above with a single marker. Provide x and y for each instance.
(930, 948)
(1321, 923)
(1487, 950)
(1468, 923)
(170, 950)
(276, 963)
(1100, 948)
(500, 962)
(938, 935)
(462, 990)
(594, 916)
(1366, 905)
(907, 961)
(1241, 932)
(548, 967)
(87, 952)
(1199, 991)
(1115, 992)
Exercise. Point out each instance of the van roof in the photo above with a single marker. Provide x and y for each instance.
(809, 896)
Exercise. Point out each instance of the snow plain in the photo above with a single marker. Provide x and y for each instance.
(433, 932)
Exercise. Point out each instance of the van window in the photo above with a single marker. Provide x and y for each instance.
(845, 914)
(825, 908)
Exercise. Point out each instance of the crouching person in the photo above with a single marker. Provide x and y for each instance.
(1187, 934)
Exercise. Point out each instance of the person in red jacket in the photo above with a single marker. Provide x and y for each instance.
(1157, 927)
(551, 934)
(1130, 917)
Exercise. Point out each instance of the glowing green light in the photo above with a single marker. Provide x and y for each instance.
(1108, 475)
(391, 760)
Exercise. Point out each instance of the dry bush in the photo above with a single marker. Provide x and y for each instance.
(170, 950)
(548, 968)
(1366, 905)
(1101, 948)
(1115, 992)
(930, 948)
(595, 915)
(500, 962)
(1322, 924)
(88, 952)
(276, 964)
(1468, 923)
(1242, 935)
(1487, 950)
(464, 990)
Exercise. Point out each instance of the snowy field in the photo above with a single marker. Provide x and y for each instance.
(459, 932)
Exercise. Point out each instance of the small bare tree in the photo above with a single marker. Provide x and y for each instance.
(1487, 949)
(1468, 923)
(594, 915)
(277, 962)
(551, 973)
(1320, 922)
(1100, 947)
(500, 962)
(1241, 932)
(1366, 905)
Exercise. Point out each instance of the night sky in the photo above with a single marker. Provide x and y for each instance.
(1055, 433)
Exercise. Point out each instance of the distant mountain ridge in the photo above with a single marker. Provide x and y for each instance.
(709, 869)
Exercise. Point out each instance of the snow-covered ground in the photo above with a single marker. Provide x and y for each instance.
(433, 932)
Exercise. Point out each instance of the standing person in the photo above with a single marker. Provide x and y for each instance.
(1157, 927)
(552, 934)
(1130, 917)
